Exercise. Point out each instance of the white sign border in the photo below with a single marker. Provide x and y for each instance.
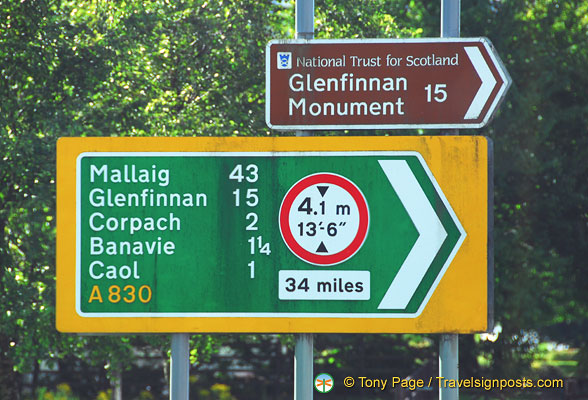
(257, 314)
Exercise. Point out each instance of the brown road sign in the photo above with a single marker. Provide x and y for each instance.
(383, 83)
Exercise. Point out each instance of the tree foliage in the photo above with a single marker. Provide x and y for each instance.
(541, 190)
(82, 68)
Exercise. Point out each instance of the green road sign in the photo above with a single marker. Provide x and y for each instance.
(196, 233)
(354, 234)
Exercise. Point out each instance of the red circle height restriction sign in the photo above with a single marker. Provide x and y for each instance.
(324, 219)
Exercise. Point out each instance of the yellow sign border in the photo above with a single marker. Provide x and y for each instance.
(461, 302)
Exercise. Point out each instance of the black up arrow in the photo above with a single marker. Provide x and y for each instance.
(322, 248)
(323, 190)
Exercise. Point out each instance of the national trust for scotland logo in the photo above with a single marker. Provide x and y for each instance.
(284, 60)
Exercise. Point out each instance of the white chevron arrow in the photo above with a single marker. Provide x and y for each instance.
(430, 230)
(488, 82)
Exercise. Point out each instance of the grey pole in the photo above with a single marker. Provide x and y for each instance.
(450, 13)
(303, 367)
(303, 352)
(117, 393)
(449, 344)
(180, 366)
(304, 19)
(448, 366)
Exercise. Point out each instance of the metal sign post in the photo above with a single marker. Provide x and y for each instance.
(448, 366)
(180, 366)
(449, 343)
(450, 17)
(303, 366)
(304, 19)
(303, 352)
